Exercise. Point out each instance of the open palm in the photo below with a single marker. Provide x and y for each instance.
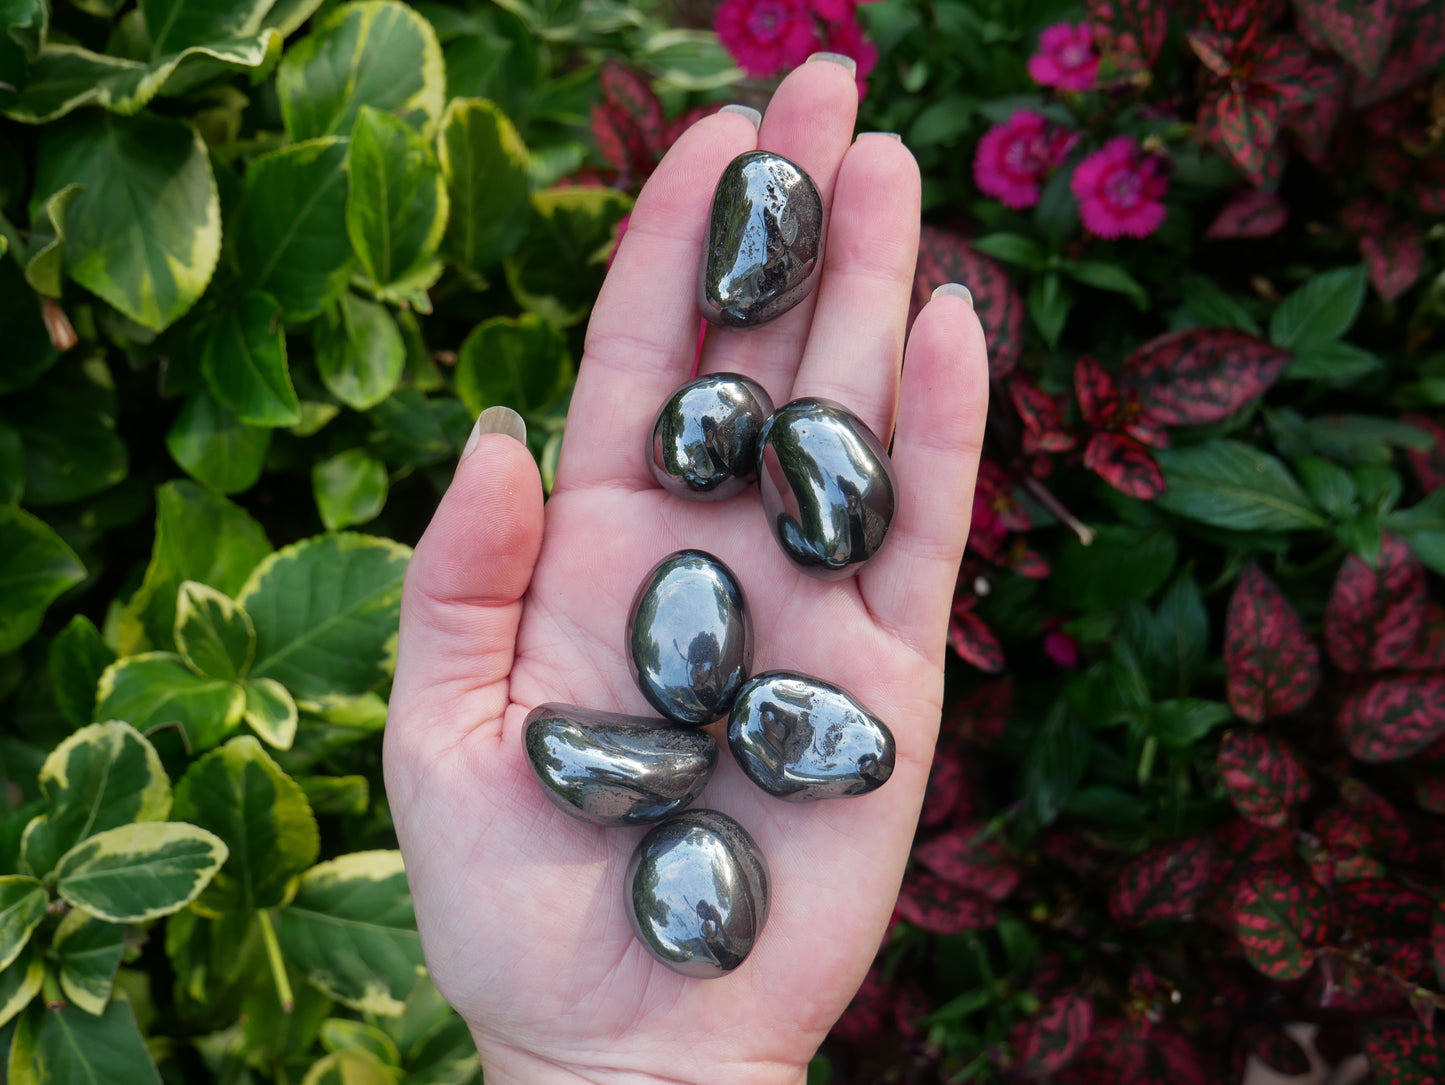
(521, 907)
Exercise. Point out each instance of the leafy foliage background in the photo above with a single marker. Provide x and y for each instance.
(262, 263)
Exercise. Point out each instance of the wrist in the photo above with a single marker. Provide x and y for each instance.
(503, 1064)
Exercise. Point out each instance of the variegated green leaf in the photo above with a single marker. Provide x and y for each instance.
(360, 352)
(350, 488)
(488, 175)
(352, 1067)
(326, 613)
(22, 907)
(376, 52)
(138, 872)
(101, 777)
(271, 712)
(216, 447)
(157, 688)
(344, 1034)
(244, 362)
(20, 983)
(145, 232)
(176, 73)
(241, 795)
(177, 24)
(213, 633)
(88, 951)
(72, 1046)
(557, 269)
(47, 241)
(351, 929)
(286, 16)
(36, 566)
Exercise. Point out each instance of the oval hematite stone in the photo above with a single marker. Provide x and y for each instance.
(612, 769)
(764, 241)
(690, 637)
(704, 443)
(828, 487)
(800, 738)
(697, 893)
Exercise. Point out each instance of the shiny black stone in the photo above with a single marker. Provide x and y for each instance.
(764, 241)
(800, 738)
(611, 769)
(697, 893)
(828, 487)
(704, 444)
(690, 637)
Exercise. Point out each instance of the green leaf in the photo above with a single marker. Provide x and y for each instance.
(244, 362)
(1049, 305)
(1180, 645)
(1121, 563)
(68, 438)
(1181, 722)
(350, 488)
(351, 929)
(326, 613)
(360, 352)
(396, 202)
(342, 1034)
(1329, 486)
(378, 53)
(1013, 248)
(101, 777)
(174, 25)
(63, 78)
(1107, 277)
(1233, 485)
(23, 26)
(558, 268)
(213, 634)
(271, 712)
(35, 568)
(350, 1067)
(157, 688)
(1423, 527)
(88, 951)
(78, 655)
(241, 795)
(216, 447)
(519, 363)
(47, 241)
(70, 1045)
(488, 177)
(145, 233)
(943, 120)
(135, 873)
(19, 984)
(337, 796)
(1331, 360)
(290, 230)
(1211, 306)
(1322, 309)
(12, 466)
(1054, 767)
(287, 16)
(22, 907)
(199, 536)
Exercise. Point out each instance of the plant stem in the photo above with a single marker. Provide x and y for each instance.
(278, 966)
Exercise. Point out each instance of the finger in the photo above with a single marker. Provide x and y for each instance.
(810, 122)
(942, 409)
(642, 339)
(855, 346)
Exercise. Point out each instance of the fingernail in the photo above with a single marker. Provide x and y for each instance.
(496, 420)
(837, 58)
(954, 290)
(890, 135)
(754, 117)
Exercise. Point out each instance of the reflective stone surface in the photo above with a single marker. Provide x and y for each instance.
(764, 241)
(612, 769)
(704, 444)
(800, 738)
(828, 487)
(690, 637)
(697, 893)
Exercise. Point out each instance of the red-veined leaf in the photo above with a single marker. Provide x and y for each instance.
(1360, 32)
(1215, 50)
(1094, 389)
(1165, 882)
(1129, 33)
(1244, 126)
(1125, 464)
(1272, 667)
(1136, 1053)
(949, 793)
(1375, 617)
(1396, 258)
(1048, 1041)
(1404, 1053)
(975, 643)
(1389, 926)
(1284, 65)
(1314, 125)
(634, 100)
(1393, 718)
(1429, 651)
(1429, 464)
(1042, 417)
(869, 1013)
(932, 904)
(1201, 375)
(1280, 919)
(1264, 777)
(1252, 212)
(611, 137)
(979, 719)
(974, 857)
(946, 257)
(1419, 46)
(1437, 941)
(1277, 1049)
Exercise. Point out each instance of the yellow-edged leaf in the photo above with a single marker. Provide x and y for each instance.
(22, 907)
(138, 872)
(213, 633)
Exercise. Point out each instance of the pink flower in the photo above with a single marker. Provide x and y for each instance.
(835, 11)
(1066, 58)
(766, 36)
(847, 38)
(1061, 648)
(1014, 158)
(1121, 190)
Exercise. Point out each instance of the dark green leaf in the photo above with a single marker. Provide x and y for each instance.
(71, 1045)
(1331, 360)
(558, 268)
(1184, 721)
(216, 447)
(1233, 485)
(1053, 768)
(35, 568)
(1121, 563)
(1329, 486)
(244, 360)
(78, 657)
(1322, 309)
(70, 446)
(1049, 304)
(1013, 248)
(1107, 277)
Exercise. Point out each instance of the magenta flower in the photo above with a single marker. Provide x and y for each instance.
(766, 36)
(1066, 58)
(1015, 157)
(1121, 190)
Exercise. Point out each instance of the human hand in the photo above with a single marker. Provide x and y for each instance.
(521, 907)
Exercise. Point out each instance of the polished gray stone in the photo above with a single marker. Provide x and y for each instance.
(704, 443)
(828, 487)
(690, 637)
(698, 893)
(764, 241)
(612, 769)
(800, 738)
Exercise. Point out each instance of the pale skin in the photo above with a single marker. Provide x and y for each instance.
(508, 605)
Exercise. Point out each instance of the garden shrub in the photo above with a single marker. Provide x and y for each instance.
(262, 263)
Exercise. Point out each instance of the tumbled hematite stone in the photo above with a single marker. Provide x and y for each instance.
(801, 738)
(697, 893)
(690, 637)
(828, 487)
(764, 242)
(612, 769)
(704, 443)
